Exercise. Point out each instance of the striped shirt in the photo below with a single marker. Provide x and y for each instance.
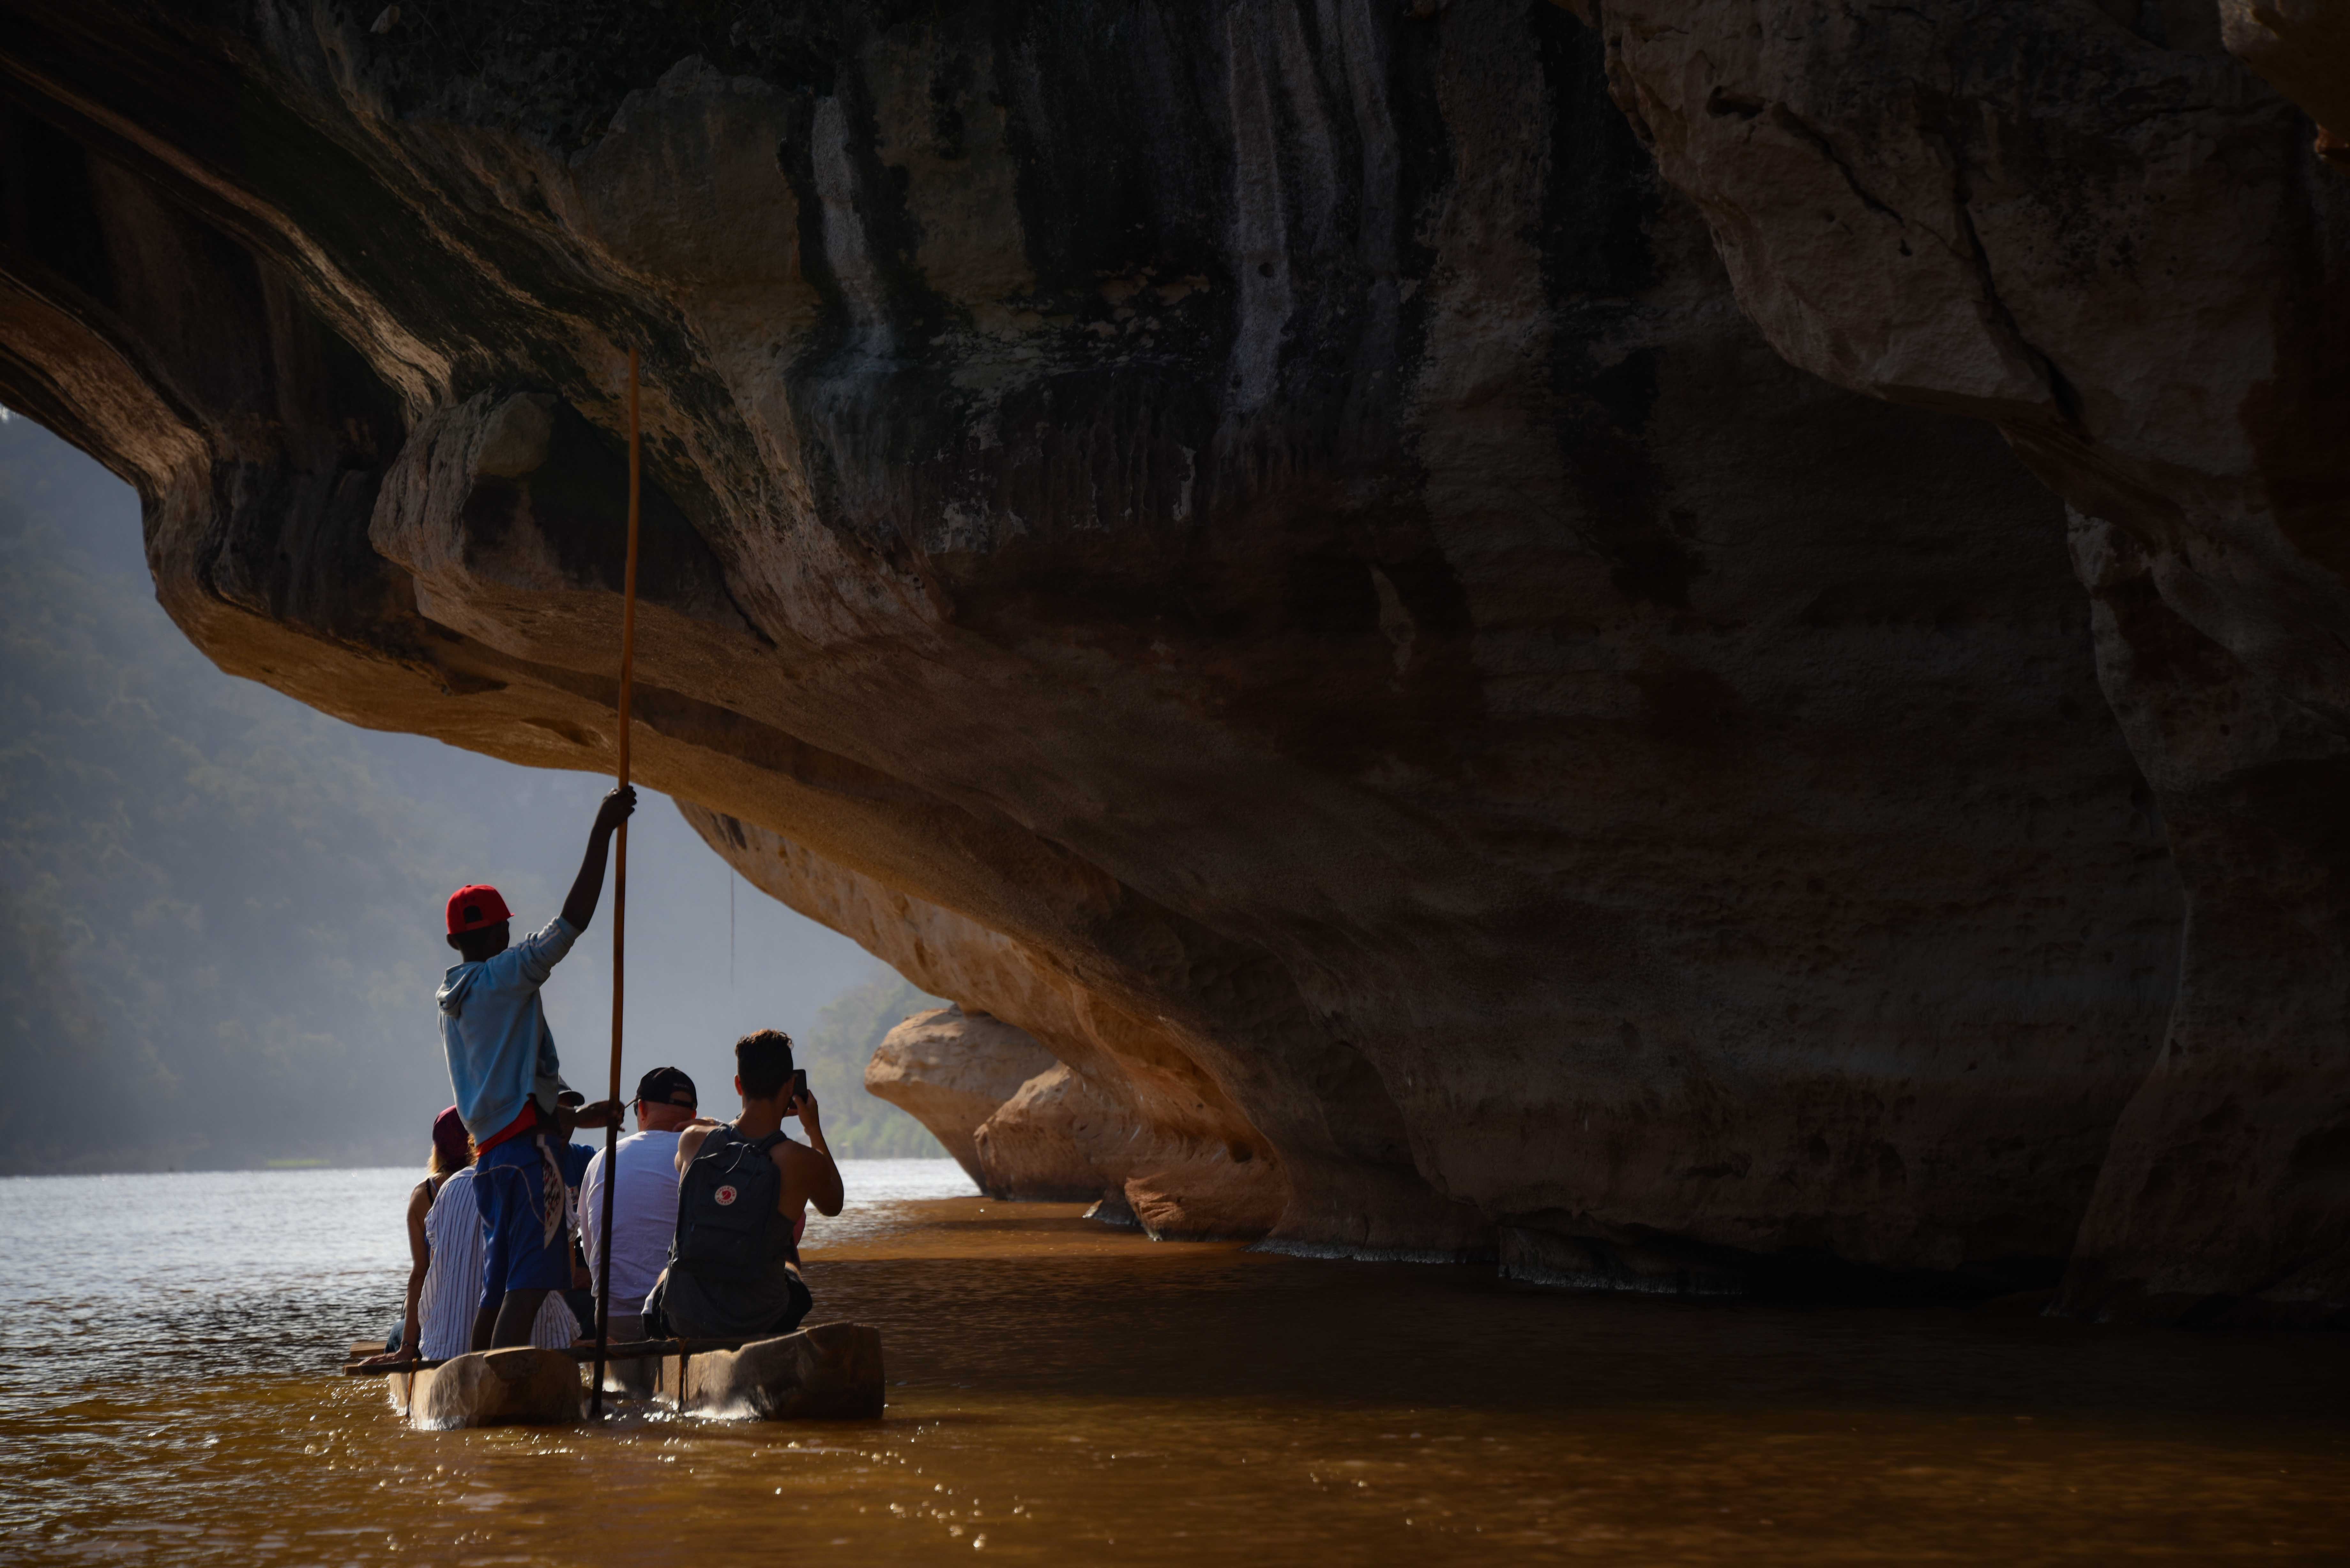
(452, 1296)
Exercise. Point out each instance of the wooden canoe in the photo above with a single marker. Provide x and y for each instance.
(632, 1377)
(830, 1372)
(522, 1388)
(519, 1387)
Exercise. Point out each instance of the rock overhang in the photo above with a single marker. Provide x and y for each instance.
(1287, 530)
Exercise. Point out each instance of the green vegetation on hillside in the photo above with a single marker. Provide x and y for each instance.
(835, 1053)
(164, 970)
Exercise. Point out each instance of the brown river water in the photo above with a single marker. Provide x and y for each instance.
(1064, 1392)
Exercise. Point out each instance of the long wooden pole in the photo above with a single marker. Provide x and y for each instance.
(619, 912)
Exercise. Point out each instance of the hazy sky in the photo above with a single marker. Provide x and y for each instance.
(462, 817)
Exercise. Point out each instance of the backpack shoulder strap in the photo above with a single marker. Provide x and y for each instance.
(771, 1140)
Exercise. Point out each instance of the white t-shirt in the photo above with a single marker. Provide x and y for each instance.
(644, 1216)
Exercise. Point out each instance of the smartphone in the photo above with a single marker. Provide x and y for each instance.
(799, 1085)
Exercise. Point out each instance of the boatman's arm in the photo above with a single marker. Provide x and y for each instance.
(588, 888)
(589, 1118)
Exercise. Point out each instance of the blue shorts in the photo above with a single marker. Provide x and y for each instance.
(510, 1184)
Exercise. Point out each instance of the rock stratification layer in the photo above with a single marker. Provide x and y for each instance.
(1474, 613)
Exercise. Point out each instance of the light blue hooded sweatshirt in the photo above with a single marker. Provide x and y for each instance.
(494, 1032)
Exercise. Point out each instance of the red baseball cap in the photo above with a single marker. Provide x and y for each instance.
(476, 905)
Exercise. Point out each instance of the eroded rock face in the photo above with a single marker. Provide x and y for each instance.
(1115, 1099)
(950, 1070)
(2093, 226)
(1061, 1137)
(1050, 1139)
(1481, 645)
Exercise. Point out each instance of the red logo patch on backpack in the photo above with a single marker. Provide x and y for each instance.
(725, 1195)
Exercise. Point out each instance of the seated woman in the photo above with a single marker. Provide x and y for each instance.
(453, 1151)
(445, 1278)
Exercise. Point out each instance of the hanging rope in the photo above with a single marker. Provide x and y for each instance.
(620, 916)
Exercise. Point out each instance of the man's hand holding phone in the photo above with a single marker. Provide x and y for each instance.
(803, 1100)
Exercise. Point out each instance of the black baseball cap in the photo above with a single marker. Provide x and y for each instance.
(660, 1087)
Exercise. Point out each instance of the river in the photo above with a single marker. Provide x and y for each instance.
(1064, 1392)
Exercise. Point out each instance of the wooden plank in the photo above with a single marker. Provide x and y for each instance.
(633, 1349)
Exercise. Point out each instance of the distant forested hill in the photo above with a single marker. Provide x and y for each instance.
(835, 1053)
(169, 977)
(219, 909)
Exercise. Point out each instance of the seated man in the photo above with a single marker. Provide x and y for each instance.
(644, 1204)
(734, 1270)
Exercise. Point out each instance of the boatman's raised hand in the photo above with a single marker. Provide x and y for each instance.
(595, 1117)
(618, 804)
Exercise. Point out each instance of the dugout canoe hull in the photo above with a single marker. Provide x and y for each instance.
(519, 1388)
(631, 1377)
(830, 1372)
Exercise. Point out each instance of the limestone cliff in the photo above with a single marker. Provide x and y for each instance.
(1473, 612)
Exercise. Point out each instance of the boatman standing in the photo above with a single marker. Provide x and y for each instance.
(509, 1085)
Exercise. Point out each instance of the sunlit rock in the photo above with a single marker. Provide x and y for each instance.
(950, 1070)
(1057, 1137)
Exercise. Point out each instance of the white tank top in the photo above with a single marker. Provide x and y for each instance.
(452, 1297)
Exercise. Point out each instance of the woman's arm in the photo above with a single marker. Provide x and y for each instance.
(419, 1258)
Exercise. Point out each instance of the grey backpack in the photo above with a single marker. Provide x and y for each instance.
(726, 1216)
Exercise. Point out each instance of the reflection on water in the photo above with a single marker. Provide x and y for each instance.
(1062, 1391)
